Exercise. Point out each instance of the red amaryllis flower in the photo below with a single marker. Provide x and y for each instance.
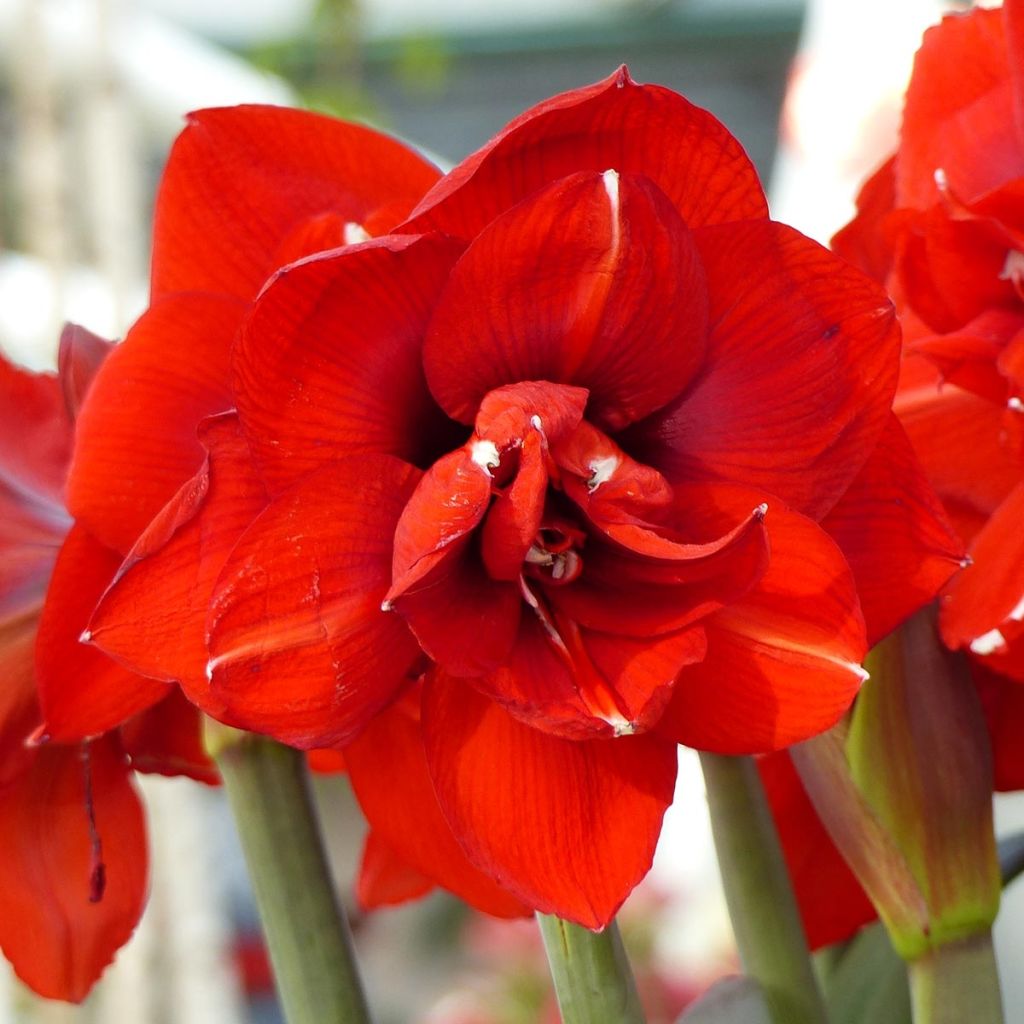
(943, 223)
(73, 865)
(541, 483)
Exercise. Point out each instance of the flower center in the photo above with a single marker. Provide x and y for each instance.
(554, 556)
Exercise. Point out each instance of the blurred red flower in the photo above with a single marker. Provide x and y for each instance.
(942, 222)
(581, 461)
(73, 867)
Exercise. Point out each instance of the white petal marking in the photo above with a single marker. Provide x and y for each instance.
(988, 643)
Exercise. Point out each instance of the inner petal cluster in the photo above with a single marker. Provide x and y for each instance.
(524, 542)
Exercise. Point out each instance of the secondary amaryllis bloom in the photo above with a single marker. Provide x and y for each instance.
(73, 865)
(943, 223)
(580, 461)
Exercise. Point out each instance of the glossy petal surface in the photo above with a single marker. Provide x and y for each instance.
(152, 618)
(783, 662)
(894, 534)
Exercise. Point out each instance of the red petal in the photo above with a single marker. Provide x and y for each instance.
(972, 358)
(385, 879)
(79, 358)
(959, 112)
(636, 129)
(865, 241)
(985, 601)
(388, 770)
(136, 437)
(577, 830)
(587, 684)
(83, 692)
(35, 440)
(19, 711)
(240, 180)
(832, 903)
(595, 281)
(894, 534)
(951, 270)
(961, 440)
(659, 579)
(448, 503)
(783, 663)
(57, 940)
(153, 617)
(299, 646)
(799, 375)
(462, 618)
(330, 361)
(168, 740)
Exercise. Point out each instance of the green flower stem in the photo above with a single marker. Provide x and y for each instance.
(305, 927)
(764, 913)
(593, 979)
(957, 982)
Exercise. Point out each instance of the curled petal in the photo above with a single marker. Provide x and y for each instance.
(960, 103)
(555, 838)
(79, 358)
(962, 441)
(984, 604)
(638, 129)
(783, 662)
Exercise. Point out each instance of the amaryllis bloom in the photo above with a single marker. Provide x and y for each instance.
(942, 223)
(584, 459)
(73, 862)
